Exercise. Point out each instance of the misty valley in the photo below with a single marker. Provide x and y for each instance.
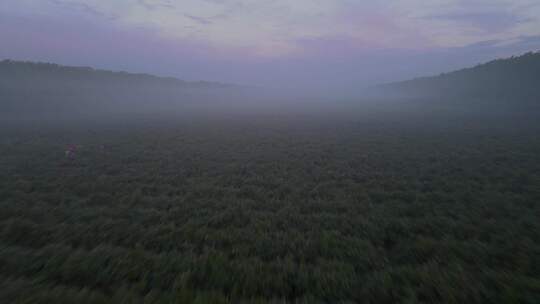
(122, 188)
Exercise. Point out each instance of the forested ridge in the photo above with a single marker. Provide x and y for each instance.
(515, 80)
(35, 74)
(29, 89)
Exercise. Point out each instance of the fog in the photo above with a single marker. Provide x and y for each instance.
(49, 93)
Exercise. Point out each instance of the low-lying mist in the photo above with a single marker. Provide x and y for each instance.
(37, 93)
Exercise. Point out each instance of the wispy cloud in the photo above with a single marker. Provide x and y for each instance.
(156, 4)
(485, 21)
(282, 27)
(83, 8)
(200, 20)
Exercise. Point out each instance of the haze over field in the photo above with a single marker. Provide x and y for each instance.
(42, 91)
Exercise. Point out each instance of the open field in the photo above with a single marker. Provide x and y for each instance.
(379, 208)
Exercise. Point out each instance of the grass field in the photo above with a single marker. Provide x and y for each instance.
(379, 208)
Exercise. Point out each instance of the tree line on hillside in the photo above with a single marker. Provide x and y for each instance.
(515, 79)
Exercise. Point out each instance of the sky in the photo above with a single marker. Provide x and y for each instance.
(314, 44)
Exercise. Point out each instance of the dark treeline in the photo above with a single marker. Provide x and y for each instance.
(513, 81)
(28, 88)
(33, 74)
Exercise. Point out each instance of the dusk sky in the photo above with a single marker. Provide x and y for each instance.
(328, 44)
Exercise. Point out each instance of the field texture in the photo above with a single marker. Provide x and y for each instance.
(271, 210)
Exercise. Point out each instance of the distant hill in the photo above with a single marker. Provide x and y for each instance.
(45, 89)
(515, 79)
(13, 73)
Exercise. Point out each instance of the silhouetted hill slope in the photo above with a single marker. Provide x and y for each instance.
(36, 88)
(512, 79)
(33, 73)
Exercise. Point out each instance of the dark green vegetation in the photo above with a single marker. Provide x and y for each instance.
(398, 208)
(513, 81)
